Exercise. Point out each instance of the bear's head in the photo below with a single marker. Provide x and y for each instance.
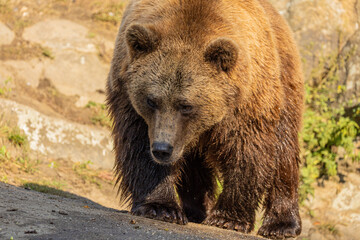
(181, 91)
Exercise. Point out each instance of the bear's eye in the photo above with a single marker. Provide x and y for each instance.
(185, 109)
(151, 103)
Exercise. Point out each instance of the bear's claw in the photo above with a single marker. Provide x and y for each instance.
(280, 230)
(161, 212)
(230, 224)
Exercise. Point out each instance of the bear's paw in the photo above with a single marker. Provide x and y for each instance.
(280, 229)
(162, 212)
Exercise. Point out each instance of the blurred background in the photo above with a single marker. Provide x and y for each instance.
(55, 132)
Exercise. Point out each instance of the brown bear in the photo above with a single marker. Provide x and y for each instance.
(207, 90)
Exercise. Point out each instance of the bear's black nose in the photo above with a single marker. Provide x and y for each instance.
(161, 150)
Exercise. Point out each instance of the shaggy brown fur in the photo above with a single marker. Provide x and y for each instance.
(200, 89)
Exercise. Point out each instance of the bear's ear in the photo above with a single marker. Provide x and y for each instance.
(223, 53)
(140, 40)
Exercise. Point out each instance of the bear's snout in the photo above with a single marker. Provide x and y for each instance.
(162, 151)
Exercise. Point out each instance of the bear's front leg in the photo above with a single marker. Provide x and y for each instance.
(281, 221)
(282, 218)
(153, 195)
(236, 205)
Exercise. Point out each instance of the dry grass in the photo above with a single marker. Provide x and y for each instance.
(14, 151)
(100, 114)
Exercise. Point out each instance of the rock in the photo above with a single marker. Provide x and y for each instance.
(59, 35)
(349, 231)
(324, 195)
(75, 68)
(6, 35)
(27, 71)
(321, 22)
(350, 72)
(354, 178)
(348, 199)
(81, 74)
(57, 138)
(316, 236)
(307, 227)
(6, 77)
(337, 205)
(105, 48)
(321, 27)
(72, 73)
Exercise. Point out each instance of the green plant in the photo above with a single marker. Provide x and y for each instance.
(311, 213)
(91, 104)
(20, 24)
(47, 53)
(326, 127)
(53, 165)
(100, 115)
(5, 90)
(84, 171)
(27, 165)
(4, 179)
(4, 154)
(84, 165)
(5, 6)
(329, 228)
(16, 137)
(102, 120)
(91, 35)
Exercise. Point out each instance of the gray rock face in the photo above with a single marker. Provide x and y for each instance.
(338, 204)
(27, 71)
(322, 28)
(5, 76)
(60, 35)
(345, 208)
(6, 35)
(78, 74)
(348, 198)
(321, 23)
(350, 72)
(75, 68)
(60, 138)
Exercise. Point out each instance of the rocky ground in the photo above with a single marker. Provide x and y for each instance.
(54, 131)
(32, 215)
